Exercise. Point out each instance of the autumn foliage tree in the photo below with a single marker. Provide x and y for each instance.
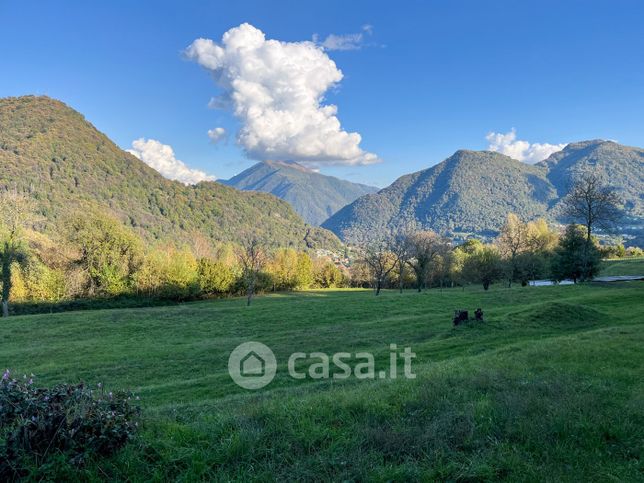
(252, 257)
(108, 252)
(291, 269)
(512, 242)
(525, 248)
(15, 212)
(328, 275)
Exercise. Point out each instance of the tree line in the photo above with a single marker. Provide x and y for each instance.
(95, 255)
(523, 251)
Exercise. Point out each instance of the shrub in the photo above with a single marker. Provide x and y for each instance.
(169, 272)
(575, 258)
(291, 270)
(34, 281)
(108, 252)
(215, 277)
(98, 303)
(328, 275)
(72, 421)
(612, 251)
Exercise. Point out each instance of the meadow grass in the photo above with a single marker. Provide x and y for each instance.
(623, 266)
(548, 388)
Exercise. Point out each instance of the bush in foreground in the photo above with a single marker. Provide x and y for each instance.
(68, 421)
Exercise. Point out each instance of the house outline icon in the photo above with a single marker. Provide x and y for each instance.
(252, 365)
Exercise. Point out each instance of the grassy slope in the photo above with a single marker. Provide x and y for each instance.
(626, 266)
(548, 388)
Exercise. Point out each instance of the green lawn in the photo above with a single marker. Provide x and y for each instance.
(549, 388)
(625, 266)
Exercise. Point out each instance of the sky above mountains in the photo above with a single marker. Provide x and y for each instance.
(366, 91)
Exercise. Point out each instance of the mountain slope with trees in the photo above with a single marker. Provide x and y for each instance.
(314, 196)
(621, 167)
(468, 192)
(53, 154)
(471, 192)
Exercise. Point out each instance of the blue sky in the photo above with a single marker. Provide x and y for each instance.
(429, 77)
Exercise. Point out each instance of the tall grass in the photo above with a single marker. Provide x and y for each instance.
(548, 388)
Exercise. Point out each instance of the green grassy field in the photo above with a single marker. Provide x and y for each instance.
(549, 388)
(625, 266)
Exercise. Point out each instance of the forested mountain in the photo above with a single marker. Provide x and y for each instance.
(313, 195)
(472, 192)
(620, 166)
(468, 192)
(51, 152)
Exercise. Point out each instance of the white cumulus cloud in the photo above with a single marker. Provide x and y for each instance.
(161, 158)
(216, 134)
(276, 90)
(530, 153)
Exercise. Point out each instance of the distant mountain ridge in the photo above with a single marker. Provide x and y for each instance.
(53, 153)
(314, 196)
(471, 192)
(621, 167)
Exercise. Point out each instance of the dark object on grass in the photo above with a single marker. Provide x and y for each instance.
(460, 316)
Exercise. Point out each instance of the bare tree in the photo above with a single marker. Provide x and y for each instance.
(378, 256)
(402, 252)
(251, 257)
(15, 213)
(425, 248)
(593, 204)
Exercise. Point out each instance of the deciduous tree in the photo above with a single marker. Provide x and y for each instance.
(378, 256)
(512, 241)
(425, 249)
(107, 251)
(15, 212)
(574, 259)
(484, 265)
(402, 251)
(251, 256)
(595, 205)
